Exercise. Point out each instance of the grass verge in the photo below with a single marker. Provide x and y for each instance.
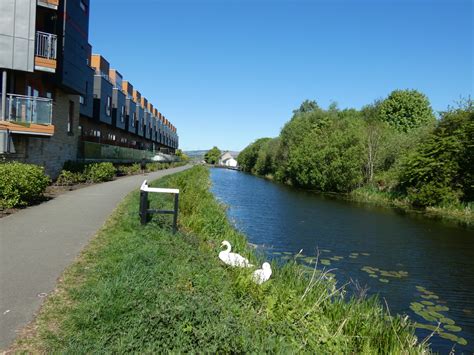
(142, 289)
(458, 213)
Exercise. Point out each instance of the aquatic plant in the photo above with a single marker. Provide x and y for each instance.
(431, 312)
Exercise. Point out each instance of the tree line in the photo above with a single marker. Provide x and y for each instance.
(394, 146)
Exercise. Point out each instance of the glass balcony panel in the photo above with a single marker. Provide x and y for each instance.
(29, 109)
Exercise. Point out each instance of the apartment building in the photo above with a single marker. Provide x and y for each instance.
(60, 102)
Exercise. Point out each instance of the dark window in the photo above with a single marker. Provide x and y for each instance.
(82, 99)
(122, 114)
(70, 117)
(108, 105)
(83, 6)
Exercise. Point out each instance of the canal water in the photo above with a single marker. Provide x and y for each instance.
(422, 267)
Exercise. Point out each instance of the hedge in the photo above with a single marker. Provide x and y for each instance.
(21, 184)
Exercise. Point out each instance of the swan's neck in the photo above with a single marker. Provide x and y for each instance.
(228, 248)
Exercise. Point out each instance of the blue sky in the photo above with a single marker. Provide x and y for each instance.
(226, 72)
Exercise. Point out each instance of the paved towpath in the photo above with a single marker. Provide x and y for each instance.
(38, 243)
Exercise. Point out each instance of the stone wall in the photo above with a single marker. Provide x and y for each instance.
(51, 152)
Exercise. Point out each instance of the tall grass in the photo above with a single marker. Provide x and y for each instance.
(143, 289)
(462, 214)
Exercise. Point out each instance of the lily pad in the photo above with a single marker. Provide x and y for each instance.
(325, 250)
(352, 256)
(437, 308)
(426, 316)
(430, 297)
(449, 336)
(365, 254)
(384, 280)
(370, 269)
(426, 326)
(453, 328)
(435, 314)
(447, 321)
(373, 275)
(427, 303)
(416, 307)
(325, 262)
(462, 341)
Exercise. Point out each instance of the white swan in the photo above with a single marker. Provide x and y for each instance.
(233, 259)
(263, 274)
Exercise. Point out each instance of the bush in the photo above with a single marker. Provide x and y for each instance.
(21, 184)
(68, 178)
(153, 167)
(129, 169)
(99, 172)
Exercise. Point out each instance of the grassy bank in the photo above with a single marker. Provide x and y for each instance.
(458, 213)
(142, 289)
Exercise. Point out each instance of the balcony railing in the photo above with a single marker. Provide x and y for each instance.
(46, 45)
(28, 109)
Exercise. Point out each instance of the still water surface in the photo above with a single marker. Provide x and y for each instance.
(423, 268)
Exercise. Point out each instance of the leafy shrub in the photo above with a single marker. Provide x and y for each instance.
(21, 184)
(247, 158)
(432, 194)
(99, 172)
(153, 167)
(68, 178)
(129, 169)
(440, 170)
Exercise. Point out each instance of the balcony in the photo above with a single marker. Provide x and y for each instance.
(51, 4)
(28, 115)
(46, 51)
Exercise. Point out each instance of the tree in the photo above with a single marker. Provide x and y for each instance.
(328, 157)
(306, 106)
(441, 170)
(180, 154)
(377, 139)
(248, 157)
(266, 158)
(213, 155)
(406, 109)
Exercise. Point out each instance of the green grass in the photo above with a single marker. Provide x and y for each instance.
(142, 289)
(458, 213)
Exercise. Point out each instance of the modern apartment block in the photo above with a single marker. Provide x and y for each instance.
(60, 102)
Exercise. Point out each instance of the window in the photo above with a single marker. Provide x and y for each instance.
(134, 119)
(108, 105)
(122, 114)
(70, 118)
(82, 99)
(83, 5)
